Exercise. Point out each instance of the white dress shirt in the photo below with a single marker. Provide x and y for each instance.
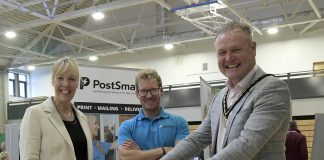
(233, 94)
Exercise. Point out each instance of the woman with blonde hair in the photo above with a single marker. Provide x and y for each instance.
(55, 129)
(100, 149)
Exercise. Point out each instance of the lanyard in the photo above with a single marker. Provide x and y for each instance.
(227, 110)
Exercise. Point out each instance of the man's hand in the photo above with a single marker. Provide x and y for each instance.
(130, 145)
(129, 150)
(167, 149)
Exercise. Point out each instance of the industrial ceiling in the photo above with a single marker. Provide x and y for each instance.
(49, 29)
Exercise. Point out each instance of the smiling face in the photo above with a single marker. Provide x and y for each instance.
(65, 85)
(149, 91)
(93, 125)
(65, 80)
(150, 103)
(235, 54)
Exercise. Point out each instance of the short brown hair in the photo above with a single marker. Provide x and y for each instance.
(148, 74)
(233, 25)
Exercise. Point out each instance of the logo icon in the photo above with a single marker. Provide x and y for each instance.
(84, 81)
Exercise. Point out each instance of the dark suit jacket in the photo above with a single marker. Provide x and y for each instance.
(296, 147)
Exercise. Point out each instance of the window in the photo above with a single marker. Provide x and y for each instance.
(17, 84)
(318, 68)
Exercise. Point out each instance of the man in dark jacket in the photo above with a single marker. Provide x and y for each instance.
(296, 147)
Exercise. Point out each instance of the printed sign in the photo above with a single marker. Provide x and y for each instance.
(107, 90)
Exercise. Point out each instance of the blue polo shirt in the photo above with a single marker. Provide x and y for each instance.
(161, 131)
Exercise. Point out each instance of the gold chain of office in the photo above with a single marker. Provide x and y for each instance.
(227, 110)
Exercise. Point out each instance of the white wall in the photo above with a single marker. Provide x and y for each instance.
(2, 102)
(189, 113)
(12, 140)
(274, 54)
(308, 106)
(291, 55)
(41, 83)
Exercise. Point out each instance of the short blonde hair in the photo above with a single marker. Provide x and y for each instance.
(148, 74)
(64, 64)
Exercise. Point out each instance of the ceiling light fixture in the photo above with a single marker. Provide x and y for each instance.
(98, 15)
(93, 58)
(168, 46)
(31, 67)
(272, 30)
(10, 34)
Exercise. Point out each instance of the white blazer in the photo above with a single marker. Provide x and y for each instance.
(43, 135)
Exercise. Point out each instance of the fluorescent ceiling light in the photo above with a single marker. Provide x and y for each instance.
(31, 67)
(10, 34)
(272, 30)
(168, 46)
(93, 58)
(98, 15)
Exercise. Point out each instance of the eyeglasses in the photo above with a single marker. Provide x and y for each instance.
(153, 92)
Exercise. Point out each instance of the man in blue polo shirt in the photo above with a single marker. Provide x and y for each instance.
(153, 132)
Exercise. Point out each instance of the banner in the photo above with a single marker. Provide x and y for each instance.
(107, 90)
(205, 97)
(111, 108)
(207, 93)
(103, 128)
(205, 101)
(107, 96)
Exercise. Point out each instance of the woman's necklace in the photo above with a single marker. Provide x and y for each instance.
(70, 118)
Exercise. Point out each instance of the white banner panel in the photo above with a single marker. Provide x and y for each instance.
(205, 97)
(107, 90)
(205, 101)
